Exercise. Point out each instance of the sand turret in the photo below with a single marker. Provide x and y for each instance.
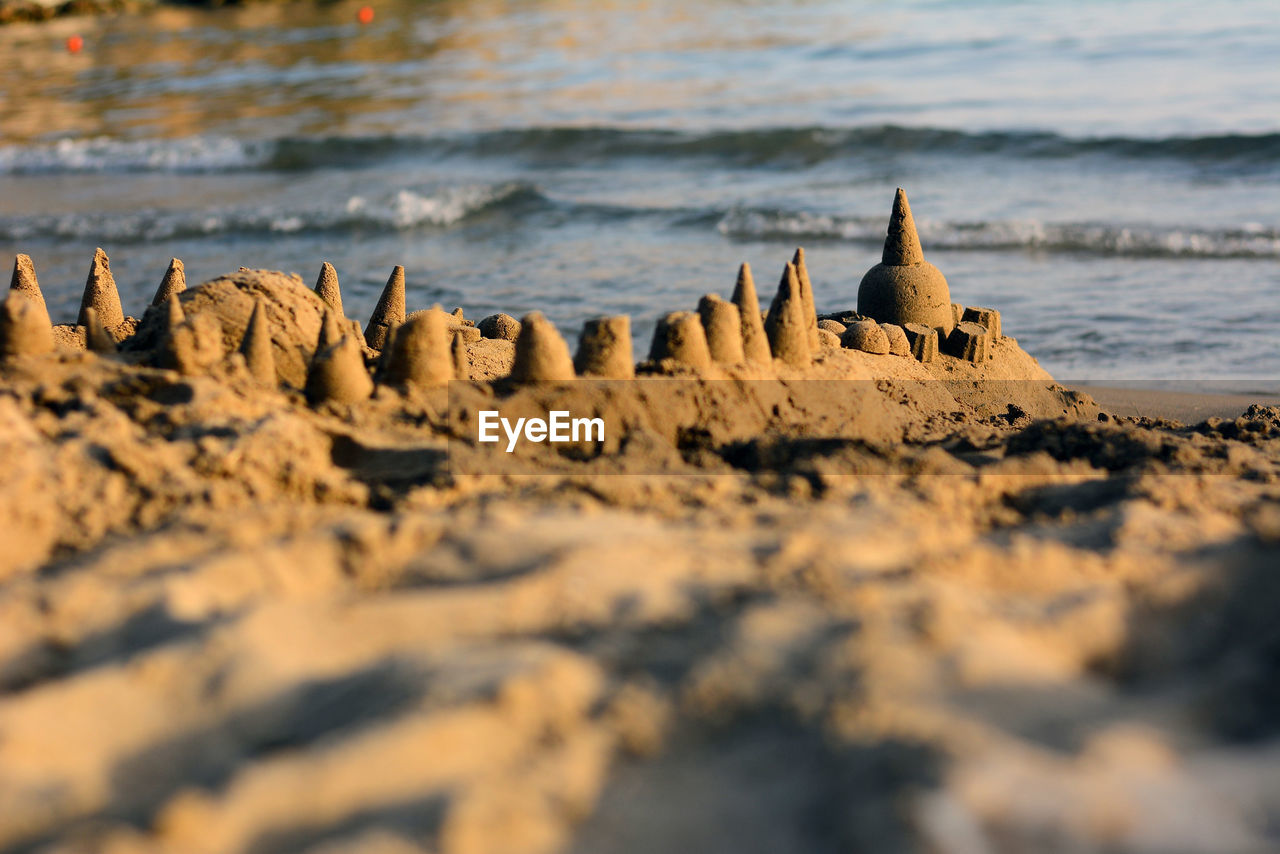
(173, 283)
(389, 312)
(806, 297)
(904, 288)
(100, 293)
(256, 347)
(461, 358)
(499, 327)
(174, 315)
(331, 331)
(24, 326)
(722, 323)
(337, 374)
(604, 350)
(755, 342)
(420, 352)
(786, 325)
(24, 282)
(327, 288)
(681, 338)
(541, 353)
(96, 338)
(194, 345)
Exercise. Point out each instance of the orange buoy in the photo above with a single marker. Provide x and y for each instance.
(365, 15)
(75, 44)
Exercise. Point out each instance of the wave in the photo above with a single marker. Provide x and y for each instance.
(405, 209)
(1032, 235)
(571, 145)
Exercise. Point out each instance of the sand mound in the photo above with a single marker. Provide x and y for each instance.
(293, 314)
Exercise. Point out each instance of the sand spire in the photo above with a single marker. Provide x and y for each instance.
(680, 337)
(786, 327)
(24, 327)
(541, 353)
(806, 296)
(96, 338)
(388, 313)
(100, 293)
(256, 347)
(722, 323)
(173, 283)
(904, 288)
(902, 244)
(461, 358)
(174, 315)
(24, 281)
(419, 352)
(328, 290)
(331, 331)
(755, 343)
(604, 350)
(338, 375)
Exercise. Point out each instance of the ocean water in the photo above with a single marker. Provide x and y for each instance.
(1105, 173)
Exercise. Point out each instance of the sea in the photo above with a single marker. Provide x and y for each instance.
(1107, 174)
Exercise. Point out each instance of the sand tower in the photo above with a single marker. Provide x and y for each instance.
(904, 288)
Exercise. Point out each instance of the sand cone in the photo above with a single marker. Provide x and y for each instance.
(331, 332)
(328, 290)
(194, 345)
(904, 288)
(256, 347)
(541, 353)
(388, 313)
(174, 315)
(419, 353)
(722, 323)
(680, 337)
(24, 282)
(806, 295)
(24, 327)
(173, 283)
(786, 327)
(338, 374)
(96, 338)
(604, 348)
(755, 343)
(461, 358)
(100, 293)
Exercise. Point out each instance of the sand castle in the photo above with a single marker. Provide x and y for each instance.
(294, 338)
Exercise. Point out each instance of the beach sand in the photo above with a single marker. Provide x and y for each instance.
(859, 603)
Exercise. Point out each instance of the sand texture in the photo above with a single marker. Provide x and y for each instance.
(863, 604)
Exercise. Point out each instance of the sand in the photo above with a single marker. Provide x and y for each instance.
(859, 604)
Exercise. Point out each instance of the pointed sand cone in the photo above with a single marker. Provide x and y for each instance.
(24, 327)
(100, 293)
(388, 313)
(327, 288)
(902, 244)
(604, 350)
(331, 331)
(806, 295)
(722, 323)
(461, 358)
(24, 282)
(755, 343)
(419, 353)
(680, 337)
(193, 346)
(541, 353)
(904, 288)
(173, 283)
(256, 347)
(174, 315)
(786, 327)
(96, 338)
(338, 375)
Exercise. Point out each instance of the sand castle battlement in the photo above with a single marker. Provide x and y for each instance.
(294, 337)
